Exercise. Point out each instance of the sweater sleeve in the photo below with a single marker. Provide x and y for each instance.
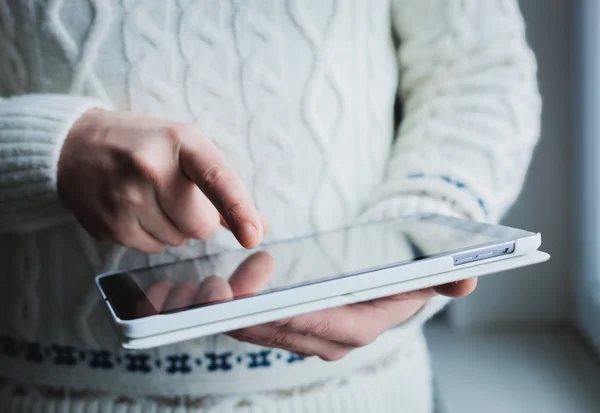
(471, 108)
(32, 130)
(471, 114)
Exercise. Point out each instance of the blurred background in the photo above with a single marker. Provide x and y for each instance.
(528, 340)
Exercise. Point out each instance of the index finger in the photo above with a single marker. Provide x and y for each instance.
(202, 162)
(265, 224)
(253, 274)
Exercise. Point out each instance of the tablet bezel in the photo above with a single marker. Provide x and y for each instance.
(521, 242)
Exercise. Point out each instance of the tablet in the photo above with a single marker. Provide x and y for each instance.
(235, 289)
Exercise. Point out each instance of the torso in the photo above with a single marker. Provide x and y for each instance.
(298, 96)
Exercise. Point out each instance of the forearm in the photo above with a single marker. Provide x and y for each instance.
(32, 131)
(472, 115)
(471, 103)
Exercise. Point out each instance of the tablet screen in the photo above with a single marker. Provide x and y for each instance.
(287, 264)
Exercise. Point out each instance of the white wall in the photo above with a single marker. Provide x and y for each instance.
(542, 293)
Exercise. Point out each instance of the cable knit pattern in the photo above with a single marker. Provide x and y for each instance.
(299, 96)
(210, 75)
(478, 93)
(82, 55)
(32, 130)
(264, 83)
(151, 48)
(323, 86)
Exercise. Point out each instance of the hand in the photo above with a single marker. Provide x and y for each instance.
(333, 333)
(329, 334)
(146, 183)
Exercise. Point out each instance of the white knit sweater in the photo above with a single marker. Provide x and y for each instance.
(300, 96)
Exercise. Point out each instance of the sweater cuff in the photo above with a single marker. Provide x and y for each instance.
(412, 204)
(32, 132)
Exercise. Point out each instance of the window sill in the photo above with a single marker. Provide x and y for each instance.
(498, 372)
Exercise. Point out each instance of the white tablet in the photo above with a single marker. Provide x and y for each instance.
(169, 303)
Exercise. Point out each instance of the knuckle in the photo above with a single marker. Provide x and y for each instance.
(123, 235)
(178, 131)
(281, 339)
(235, 210)
(214, 176)
(131, 197)
(321, 328)
(149, 163)
(143, 161)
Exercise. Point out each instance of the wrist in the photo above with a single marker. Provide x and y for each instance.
(81, 129)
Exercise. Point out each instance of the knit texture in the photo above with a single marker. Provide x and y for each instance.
(32, 129)
(299, 96)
